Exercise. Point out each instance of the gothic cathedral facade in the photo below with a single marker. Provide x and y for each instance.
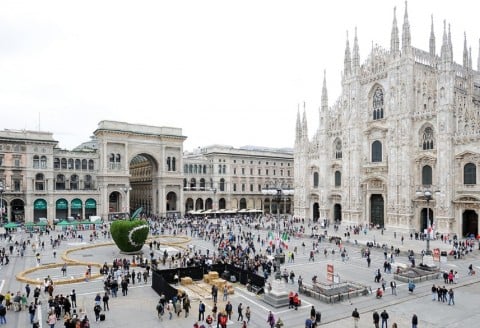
(401, 145)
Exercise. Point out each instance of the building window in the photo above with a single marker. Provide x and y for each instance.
(376, 151)
(338, 178)
(338, 149)
(234, 187)
(70, 163)
(470, 174)
(427, 139)
(243, 187)
(36, 162)
(266, 171)
(17, 185)
(193, 184)
(220, 169)
(43, 162)
(427, 175)
(243, 171)
(251, 187)
(174, 164)
(39, 182)
(378, 104)
(91, 165)
(169, 168)
(78, 166)
(74, 182)
(315, 180)
(259, 171)
(87, 184)
(224, 169)
(84, 164)
(222, 184)
(63, 163)
(234, 171)
(60, 182)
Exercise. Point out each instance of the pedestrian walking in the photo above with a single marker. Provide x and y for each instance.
(451, 297)
(376, 319)
(271, 319)
(393, 286)
(384, 316)
(414, 321)
(356, 318)
(201, 311)
(240, 312)
(105, 302)
(248, 314)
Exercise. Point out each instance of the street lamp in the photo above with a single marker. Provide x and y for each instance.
(126, 189)
(427, 195)
(2, 189)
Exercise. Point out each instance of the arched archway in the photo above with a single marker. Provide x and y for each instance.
(243, 203)
(469, 223)
(171, 201)
(337, 212)
(208, 204)
(143, 168)
(377, 206)
(423, 218)
(17, 210)
(114, 204)
(188, 205)
(316, 212)
(61, 209)
(222, 204)
(39, 209)
(199, 204)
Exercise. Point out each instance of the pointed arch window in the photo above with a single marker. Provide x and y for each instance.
(427, 138)
(376, 151)
(338, 179)
(470, 174)
(338, 149)
(378, 104)
(315, 180)
(427, 175)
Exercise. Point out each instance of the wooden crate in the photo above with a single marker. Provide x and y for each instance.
(186, 281)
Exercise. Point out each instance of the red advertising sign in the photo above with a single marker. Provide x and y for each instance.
(330, 272)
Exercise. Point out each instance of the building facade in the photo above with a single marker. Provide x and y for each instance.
(126, 166)
(224, 178)
(401, 144)
(123, 167)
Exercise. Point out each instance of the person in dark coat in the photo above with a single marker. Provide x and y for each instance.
(376, 319)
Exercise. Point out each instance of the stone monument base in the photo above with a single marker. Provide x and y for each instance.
(278, 296)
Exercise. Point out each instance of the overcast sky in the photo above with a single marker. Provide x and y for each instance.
(226, 72)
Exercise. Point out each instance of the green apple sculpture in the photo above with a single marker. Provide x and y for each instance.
(130, 235)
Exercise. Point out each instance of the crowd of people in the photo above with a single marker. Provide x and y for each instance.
(241, 241)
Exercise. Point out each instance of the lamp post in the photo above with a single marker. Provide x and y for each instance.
(427, 195)
(126, 190)
(214, 208)
(2, 189)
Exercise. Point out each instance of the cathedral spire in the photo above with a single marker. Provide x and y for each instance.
(470, 58)
(298, 128)
(465, 50)
(304, 123)
(347, 61)
(394, 38)
(478, 59)
(445, 52)
(432, 40)
(324, 93)
(356, 54)
(450, 46)
(406, 37)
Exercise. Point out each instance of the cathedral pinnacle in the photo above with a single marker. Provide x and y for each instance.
(432, 40)
(347, 61)
(406, 37)
(394, 39)
(324, 92)
(465, 51)
(356, 54)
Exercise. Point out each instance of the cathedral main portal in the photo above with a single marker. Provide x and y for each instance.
(377, 206)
